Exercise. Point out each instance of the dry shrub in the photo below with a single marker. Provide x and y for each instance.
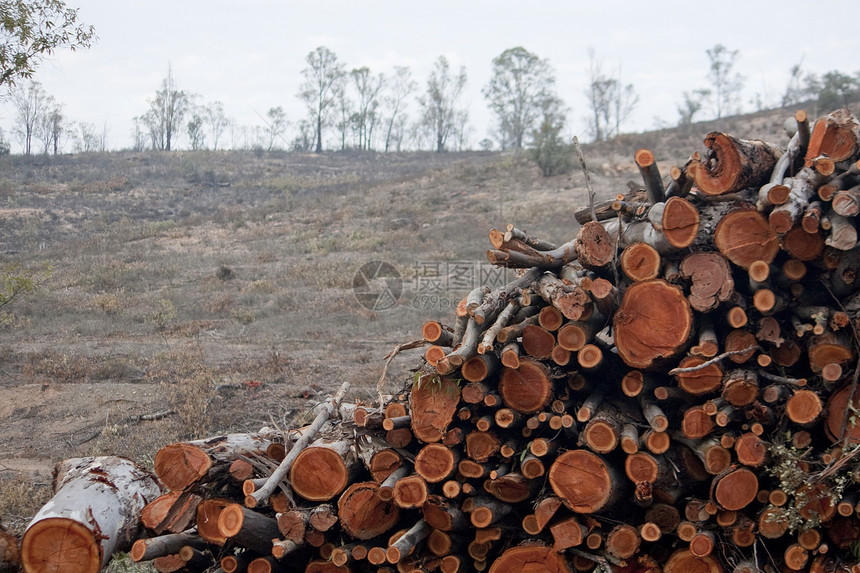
(108, 303)
(20, 499)
(220, 304)
(56, 366)
(188, 384)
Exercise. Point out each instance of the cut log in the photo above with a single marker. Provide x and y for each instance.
(683, 561)
(680, 222)
(512, 488)
(584, 481)
(363, 515)
(537, 342)
(735, 489)
(443, 515)
(248, 528)
(436, 462)
(745, 236)
(180, 465)
(531, 559)
(835, 135)
(433, 403)
(573, 301)
(527, 389)
(410, 492)
(652, 324)
(567, 533)
(207, 520)
(148, 549)
(286, 465)
(623, 541)
(293, 524)
(711, 279)
(733, 164)
(96, 504)
(650, 175)
(407, 542)
(640, 262)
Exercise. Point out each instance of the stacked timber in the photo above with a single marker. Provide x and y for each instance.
(675, 390)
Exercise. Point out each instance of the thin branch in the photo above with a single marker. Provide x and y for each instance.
(713, 360)
(588, 186)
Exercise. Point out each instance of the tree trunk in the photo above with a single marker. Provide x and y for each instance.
(97, 502)
(652, 324)
(363, 515)
(733, 164)
(433, 403)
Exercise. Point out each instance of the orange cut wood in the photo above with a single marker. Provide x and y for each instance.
(584, 481)
(733, 164)
(640, 262)
(841, 424)
(680, 222)
(653, 323)
(735, 489)
(363, 515)
(435, 462)
(745, 236)
(530, 559)
(683, 561)
(433, 403)
(179, 465)
(702, 381)
(527, 389)
(319, 473)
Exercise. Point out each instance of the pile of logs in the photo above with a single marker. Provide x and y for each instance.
(673, 390)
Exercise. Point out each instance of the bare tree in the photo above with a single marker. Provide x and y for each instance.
(166, 112)
(345, 112)
(52, 126)
(727, 84)
(216, 119)
(366, 117)
(440, 102)
(323, 75)
(400, 87)
(611, 101)
(520, 87)
(196, 134)
(276, 124)
(88, 138)
(29, 104)
(691, 105)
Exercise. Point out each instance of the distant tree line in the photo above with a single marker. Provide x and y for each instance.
(364, 109)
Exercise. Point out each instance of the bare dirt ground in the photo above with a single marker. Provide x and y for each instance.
(216, 289)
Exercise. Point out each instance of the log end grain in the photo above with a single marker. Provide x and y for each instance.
(527, 389)
(745, 236)
(584, 481)
(363, 515)
(680, 222)
(652, 323)
(180, 465)
(531, 559)
(60, 544)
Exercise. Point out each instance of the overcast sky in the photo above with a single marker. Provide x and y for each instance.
(249, 54)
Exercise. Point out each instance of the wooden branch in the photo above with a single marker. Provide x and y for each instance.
(263, 493)
(733, 164)
(650, 175)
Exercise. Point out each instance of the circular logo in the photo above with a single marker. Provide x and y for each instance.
(377, 285)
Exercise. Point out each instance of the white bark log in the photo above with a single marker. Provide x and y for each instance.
(94, 513)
